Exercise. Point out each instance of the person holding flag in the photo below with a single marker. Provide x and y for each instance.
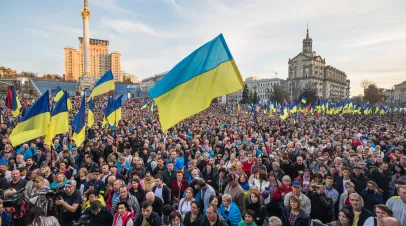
(13, 102)
(79, 128)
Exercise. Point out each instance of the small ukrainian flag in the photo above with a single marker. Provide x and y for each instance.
(304, 100)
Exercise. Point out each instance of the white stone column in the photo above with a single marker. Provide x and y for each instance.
(86, 44)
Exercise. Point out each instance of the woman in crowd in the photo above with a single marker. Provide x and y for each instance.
(124, 215)
(192, 218)
(283, 190)
(185, 203)
(137, 191)
(60, 181)
(305, 180)
(345, 197)
(380, 211)
(229, 210)
(257, 207)
(243, 181)
(175, 218)
(264, 186)
(294, 214)
(90, 197)
(248, 218)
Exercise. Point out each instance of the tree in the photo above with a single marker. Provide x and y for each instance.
(255, 98)
(245, 95)
(373, 94)
(278, 94)
(126, 79)
(28, 74)
(365, 83)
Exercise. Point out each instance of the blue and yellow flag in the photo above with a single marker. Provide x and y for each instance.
(68, 101)
(90, 114)
(284, 112)
(238, 107)
(1, 116)
(34, 123)
(58, 93)
(304, 100)
(79, 126)
(12, 102)
(104, 85)
(59, 119)
(190, 87)
(144, 105)
(112, 112)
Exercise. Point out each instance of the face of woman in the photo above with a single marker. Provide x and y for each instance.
(248, 219)
(188, 194)
(215, 202)
(350, 189)
(254, 198)
(225, 203)
(134, 185)
(286, 183)
(343, 219)
(121, 210)
(175, 221)
(294, 204)
(243, 179)
(380, 213)
(92, 198)
(60, 178)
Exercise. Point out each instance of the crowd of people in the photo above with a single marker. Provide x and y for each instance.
(219, 167)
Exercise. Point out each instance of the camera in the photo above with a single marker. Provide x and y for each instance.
(13, 199)
(55, 194)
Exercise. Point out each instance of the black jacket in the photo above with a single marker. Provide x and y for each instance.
(301, 220)
(365, 214)
(260, 212)
(186, 220)
(153, 219)
(360, 182)
(103, 218)
(205, 222)
(169, 177)
(322, 207)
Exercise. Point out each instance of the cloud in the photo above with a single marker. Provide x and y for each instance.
(125, 26)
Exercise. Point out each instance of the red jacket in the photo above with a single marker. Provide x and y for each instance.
(277, 194)
(247, 167)
(127, 216)
(176, 191)
(109, 197)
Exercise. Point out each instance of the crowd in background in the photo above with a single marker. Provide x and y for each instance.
(219, 167)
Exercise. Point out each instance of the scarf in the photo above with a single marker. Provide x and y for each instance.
(245, 186)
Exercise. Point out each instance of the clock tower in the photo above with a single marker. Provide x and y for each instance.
(307, 44)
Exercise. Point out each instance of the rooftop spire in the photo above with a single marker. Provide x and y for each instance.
(307, 34)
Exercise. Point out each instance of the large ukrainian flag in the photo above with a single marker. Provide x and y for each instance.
(104, 85)
(90, 114)
(34, 123)
(59, 119)
(190, 87)
(112, 112)
(58, 93)
(79, 128)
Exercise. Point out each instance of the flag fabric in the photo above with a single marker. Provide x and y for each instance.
(238, 107)
(58, 93)
(90, 114)
(284, 112)
(12, 102)
(304, 100)
(59, 123)
(152, 106)
(144, 105)
(190, 87)
(104, 85)
(34, 123)
(112, 112)
(79, 126)
(69, 103)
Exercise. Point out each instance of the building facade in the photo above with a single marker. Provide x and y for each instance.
(263, 88)
(101, 60)
(133, 78)
(148, 83)
(307, 70)
(399, 94)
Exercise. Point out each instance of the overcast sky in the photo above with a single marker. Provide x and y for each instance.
(365, 39)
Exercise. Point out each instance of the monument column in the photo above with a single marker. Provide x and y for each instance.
(86, 44)
(86, 81)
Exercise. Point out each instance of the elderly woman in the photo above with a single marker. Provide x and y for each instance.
(229, 210)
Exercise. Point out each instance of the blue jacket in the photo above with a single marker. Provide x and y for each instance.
(5, 219)
(233, 216)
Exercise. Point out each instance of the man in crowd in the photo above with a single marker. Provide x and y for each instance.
(127, 197)
(70, 202)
